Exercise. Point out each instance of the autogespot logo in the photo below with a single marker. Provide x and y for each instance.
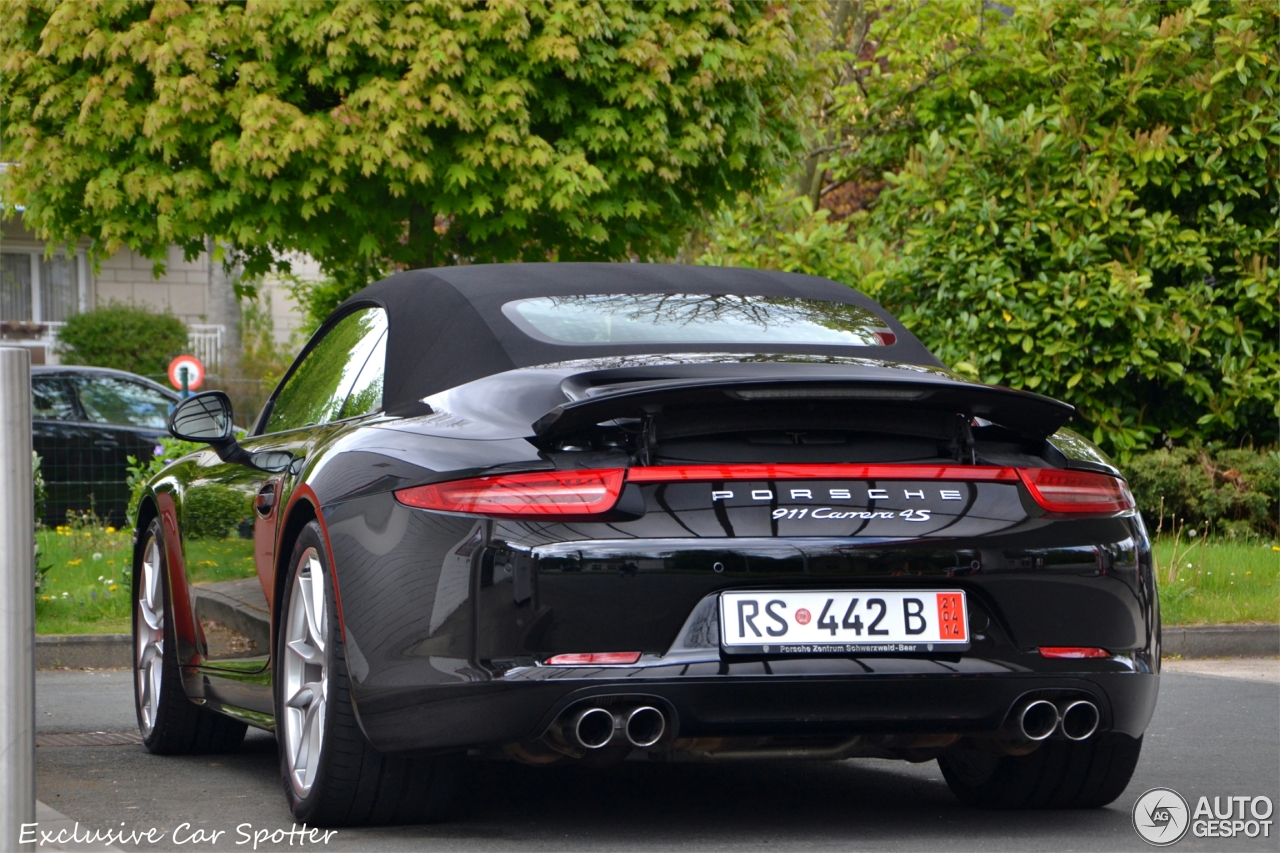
(1160, 816)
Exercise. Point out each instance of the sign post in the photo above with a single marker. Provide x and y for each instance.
(17, 602)
(186, 373)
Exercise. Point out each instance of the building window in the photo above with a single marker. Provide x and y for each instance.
(59, 288)
(15, 286)
(38, 289)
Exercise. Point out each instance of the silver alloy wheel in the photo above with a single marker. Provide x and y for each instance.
(149, 636)
(306, 673)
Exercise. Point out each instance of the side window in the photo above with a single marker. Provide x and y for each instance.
(51, 399)
(366, 393)
(316, 391)
(108, 400)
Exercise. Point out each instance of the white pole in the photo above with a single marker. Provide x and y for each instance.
(17, 602)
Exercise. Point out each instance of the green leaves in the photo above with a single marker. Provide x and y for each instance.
(1070, 212)
(373, 135)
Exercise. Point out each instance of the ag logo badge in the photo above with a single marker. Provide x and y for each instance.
(1161, 817)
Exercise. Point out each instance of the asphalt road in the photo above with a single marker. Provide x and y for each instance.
(1211, 736)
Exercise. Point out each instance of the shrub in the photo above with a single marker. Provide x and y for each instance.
(38, 491)
(125, 337)
(1232, 492)
(1079, 200)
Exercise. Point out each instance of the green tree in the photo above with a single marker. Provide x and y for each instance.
(377, 135)
(1081, 200)
(125, 337)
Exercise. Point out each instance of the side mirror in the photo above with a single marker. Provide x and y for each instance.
(208, 418)
(203, 417)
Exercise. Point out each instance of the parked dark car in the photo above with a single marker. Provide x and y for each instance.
(587, 512)
(86, 422)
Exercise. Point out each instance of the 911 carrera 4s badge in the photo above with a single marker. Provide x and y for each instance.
(843, 622)
(886, 509)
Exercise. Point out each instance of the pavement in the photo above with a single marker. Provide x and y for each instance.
(1216, 732)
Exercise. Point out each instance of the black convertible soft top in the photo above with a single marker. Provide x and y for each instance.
(446, 326)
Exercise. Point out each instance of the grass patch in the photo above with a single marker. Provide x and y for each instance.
(87, 587)
(1209, 583)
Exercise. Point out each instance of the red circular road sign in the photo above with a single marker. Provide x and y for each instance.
(803, 616)
(195, 372)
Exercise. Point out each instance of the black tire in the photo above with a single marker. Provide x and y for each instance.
(180, 726)
(354, 784)
(1060, 774)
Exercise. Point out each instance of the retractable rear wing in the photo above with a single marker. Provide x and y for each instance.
(609, 395)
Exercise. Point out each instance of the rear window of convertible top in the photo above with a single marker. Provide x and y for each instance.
(682, 318)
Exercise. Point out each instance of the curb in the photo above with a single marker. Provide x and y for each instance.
(84, 651)
(103, 651)
(1221, 641)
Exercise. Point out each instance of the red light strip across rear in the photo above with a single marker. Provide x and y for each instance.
(704, 473)
(582, 494)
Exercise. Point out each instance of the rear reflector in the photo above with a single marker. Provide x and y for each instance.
(594, 659)
(554, 493)
(1073, 652)
(1061, 490)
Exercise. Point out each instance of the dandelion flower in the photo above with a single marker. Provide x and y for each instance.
(111, 530)
(77, 561)
(99, 577)
(112, 587)
(97, 555)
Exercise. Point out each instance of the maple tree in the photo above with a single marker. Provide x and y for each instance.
(372, 135)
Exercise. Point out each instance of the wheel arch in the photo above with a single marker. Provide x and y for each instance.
(147, 512)
(302, 510)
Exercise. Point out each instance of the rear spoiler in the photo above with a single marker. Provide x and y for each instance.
(866, 392)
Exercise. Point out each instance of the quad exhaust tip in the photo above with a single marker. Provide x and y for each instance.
(1038, 720)
(1079, 719)
(644, 726)
(592, 727)
(595, 728)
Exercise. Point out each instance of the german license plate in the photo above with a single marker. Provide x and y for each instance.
(853, 622)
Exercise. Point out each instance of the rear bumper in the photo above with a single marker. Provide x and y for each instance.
(446, 622)
(703, 704)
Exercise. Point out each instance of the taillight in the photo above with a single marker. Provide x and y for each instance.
(594, 659)
(1073, 652)
(1063, 490)
(555, 493)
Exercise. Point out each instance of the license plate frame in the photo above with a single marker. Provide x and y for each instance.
(939, 617)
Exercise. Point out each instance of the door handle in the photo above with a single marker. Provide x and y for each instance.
(266, 500)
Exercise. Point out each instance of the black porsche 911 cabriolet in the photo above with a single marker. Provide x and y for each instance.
(593, 512)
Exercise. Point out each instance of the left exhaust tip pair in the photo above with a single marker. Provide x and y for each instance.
(594, 727)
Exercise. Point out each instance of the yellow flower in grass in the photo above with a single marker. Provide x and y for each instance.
(77, 561)
(111, 530)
